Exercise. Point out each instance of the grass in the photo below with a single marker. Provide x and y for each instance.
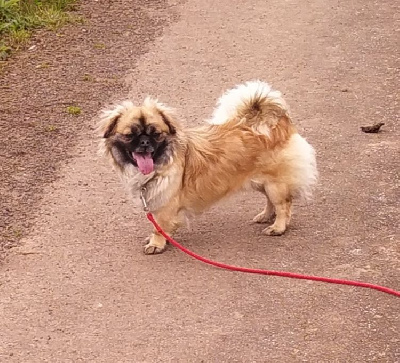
(99, 46)
(74, 110)
(12, 233)
(18, 18)
(51, 128)
(88, 78)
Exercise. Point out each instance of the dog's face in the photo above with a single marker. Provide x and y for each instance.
(142, 136)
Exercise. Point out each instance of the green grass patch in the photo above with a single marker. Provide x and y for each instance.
(19, 17)
(74, 110)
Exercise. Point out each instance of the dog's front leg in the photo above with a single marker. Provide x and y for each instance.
(168, 220)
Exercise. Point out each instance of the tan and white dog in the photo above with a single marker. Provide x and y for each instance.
(249, 141)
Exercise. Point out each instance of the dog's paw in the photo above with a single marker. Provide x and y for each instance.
(262, 217)
(274, 231)
(155, 244)
(150, 249)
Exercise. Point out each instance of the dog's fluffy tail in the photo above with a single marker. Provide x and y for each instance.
(254, 103)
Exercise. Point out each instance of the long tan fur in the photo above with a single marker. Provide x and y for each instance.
(250, 140)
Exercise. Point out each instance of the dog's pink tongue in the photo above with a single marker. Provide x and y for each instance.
(144, 162)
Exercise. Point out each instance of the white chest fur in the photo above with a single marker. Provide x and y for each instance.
(160, 188)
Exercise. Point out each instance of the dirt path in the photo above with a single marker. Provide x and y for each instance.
(79, 289)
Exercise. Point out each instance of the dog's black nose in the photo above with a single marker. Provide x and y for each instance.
(144, 141)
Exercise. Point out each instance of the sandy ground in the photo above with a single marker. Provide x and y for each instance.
(75, 285)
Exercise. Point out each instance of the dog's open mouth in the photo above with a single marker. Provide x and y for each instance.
(144, 162)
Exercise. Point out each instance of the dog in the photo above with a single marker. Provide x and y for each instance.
(249, 141)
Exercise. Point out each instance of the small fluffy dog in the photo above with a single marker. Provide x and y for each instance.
(249, 141)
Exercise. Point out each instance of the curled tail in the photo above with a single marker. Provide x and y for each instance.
(259, 107)
(254, 103)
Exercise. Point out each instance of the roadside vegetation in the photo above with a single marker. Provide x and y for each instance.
(18, 18)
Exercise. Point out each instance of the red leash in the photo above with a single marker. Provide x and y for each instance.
(150, 217)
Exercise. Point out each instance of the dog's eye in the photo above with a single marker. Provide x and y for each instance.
(157, 135)
(127, 138)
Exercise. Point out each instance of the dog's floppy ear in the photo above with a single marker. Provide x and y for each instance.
(110, 127)
(109, 119)
(169, 121)
(167, 114)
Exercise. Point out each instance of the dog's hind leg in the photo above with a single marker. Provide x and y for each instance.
(268, 211)
(281, 198)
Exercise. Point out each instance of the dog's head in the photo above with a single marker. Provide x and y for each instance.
(143, 136)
